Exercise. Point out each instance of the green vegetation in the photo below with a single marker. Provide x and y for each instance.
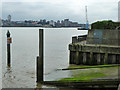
(92, 74)
(84, 76)
(106, 24)
(95, 66)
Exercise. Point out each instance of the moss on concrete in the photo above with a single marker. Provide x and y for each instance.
(84, 77)
(92, 74)
(95, 66)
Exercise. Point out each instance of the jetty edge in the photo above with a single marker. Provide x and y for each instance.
(87, 67)
(99, 47)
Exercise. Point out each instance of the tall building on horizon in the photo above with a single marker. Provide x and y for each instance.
(119, 11)
(1, 22)
(9, 18)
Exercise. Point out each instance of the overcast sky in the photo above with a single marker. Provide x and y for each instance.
(61, 9)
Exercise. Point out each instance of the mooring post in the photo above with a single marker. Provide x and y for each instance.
(98, 58)
(84, 57)
(114, 59)
(8, 48)
(77, 58)
(81, 57)
(91, 58)
(40, 57)
(71, 58)
(118, 62)
(106, 58)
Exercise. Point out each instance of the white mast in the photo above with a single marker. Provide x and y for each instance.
(86, 15)
(119, 11)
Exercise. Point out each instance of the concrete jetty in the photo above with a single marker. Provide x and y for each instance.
(98, 47)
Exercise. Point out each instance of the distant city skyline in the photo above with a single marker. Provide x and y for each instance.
(9, 18)
(42, 23)
(62, 9)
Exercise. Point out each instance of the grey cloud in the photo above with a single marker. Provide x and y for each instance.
(97, 10)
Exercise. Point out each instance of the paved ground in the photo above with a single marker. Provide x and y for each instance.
(109, 73)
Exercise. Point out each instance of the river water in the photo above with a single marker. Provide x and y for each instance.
(24, 50)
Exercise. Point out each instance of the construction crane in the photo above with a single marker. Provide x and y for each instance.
(87, 23)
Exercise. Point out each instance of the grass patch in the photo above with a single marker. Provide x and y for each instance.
(83, 77)
(95, 66)
(91, 74)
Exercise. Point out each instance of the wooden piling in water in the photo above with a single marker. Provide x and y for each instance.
(40, 59)
(8, 48)
(8, 54)
(39, 69)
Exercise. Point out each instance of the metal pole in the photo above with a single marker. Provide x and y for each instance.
(40, 57)
(8, 49)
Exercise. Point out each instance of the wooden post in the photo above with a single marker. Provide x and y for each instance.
(71, 58)
(98, 59)
(106, 58)
(91, 58)
(113, 59)
(118, 62)
(77, 58)
(84, 58)
(8, 48)
(74, 39)
(40, 57)
(81, 58)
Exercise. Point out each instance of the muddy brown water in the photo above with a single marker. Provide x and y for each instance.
(24, 50)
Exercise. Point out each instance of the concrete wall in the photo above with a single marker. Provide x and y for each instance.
(93, 58)
(94, 54)
(105, 37)
(77, 39)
